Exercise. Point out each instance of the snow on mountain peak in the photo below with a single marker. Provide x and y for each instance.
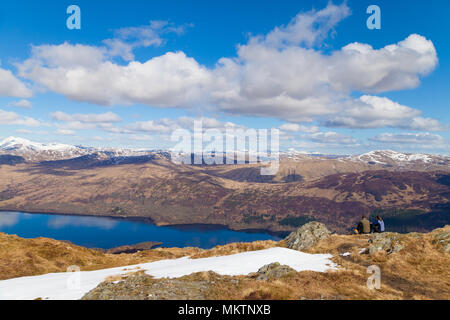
(36, 151)
(13, 143)
(386, 156)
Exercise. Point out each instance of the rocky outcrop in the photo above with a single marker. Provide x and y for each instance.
(134, 248)
(307, 236)
(273, 271)
(443, 239)
(388, 242)
(140, 286)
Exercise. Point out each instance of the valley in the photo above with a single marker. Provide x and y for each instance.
(334, 191)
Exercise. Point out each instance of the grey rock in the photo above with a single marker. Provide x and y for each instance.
(444, 240)
(388, 242)
(134, 248)
(273, 271)
(307, 236)
(140, 286)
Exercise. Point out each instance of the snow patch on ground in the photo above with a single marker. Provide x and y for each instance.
(64, 286)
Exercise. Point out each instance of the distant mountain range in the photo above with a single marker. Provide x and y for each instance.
(36, 152)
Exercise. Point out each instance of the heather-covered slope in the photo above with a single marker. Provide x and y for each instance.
(181, 194)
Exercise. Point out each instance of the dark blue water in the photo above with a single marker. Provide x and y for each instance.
(101, 232)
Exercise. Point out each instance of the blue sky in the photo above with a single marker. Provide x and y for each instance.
(137, 70)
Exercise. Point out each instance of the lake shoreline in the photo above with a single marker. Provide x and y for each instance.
(150, 221)
(106, 232)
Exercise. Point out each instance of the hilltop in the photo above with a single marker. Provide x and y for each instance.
(413, 266)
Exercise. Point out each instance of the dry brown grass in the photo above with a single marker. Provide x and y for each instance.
(26, 257)
(419, 271)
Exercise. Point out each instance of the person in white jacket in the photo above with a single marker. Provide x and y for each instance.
(380, 223)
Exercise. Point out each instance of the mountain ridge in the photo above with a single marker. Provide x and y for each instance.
(36, 151)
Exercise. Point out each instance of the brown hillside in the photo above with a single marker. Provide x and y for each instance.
(179, 194)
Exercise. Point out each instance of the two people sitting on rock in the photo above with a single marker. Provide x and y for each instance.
(365, 227)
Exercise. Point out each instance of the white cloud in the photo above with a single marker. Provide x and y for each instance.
(68, 123)
(141, 137)
(408, 138)
(22, 104)
(294, 127)
(100, 138)
(12, 118)
(167, 81)
(64, 56)
(377, 112)
(427, 124)
(331, 138)
(395, 67)
(65, 132)
(306, 28)
(279, 75)
(25, 131)
(108, 117)
(301, 84)
(10, 86)
(154, 126)
(168, 125)
(130, 38)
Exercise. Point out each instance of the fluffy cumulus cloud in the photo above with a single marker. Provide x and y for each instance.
(12, 118)
(377, 112)
(302, 84)
(11, 86)
(68, 123)
(282, 74)
(397, 66)
(83, 73)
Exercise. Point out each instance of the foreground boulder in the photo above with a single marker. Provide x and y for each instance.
(388, 242)
(140, 286)
(443, 238)
(307, 236)
(273, 271)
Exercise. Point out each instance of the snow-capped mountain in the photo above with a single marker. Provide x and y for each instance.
(36, 151)
(19, 144)
(401, 160)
